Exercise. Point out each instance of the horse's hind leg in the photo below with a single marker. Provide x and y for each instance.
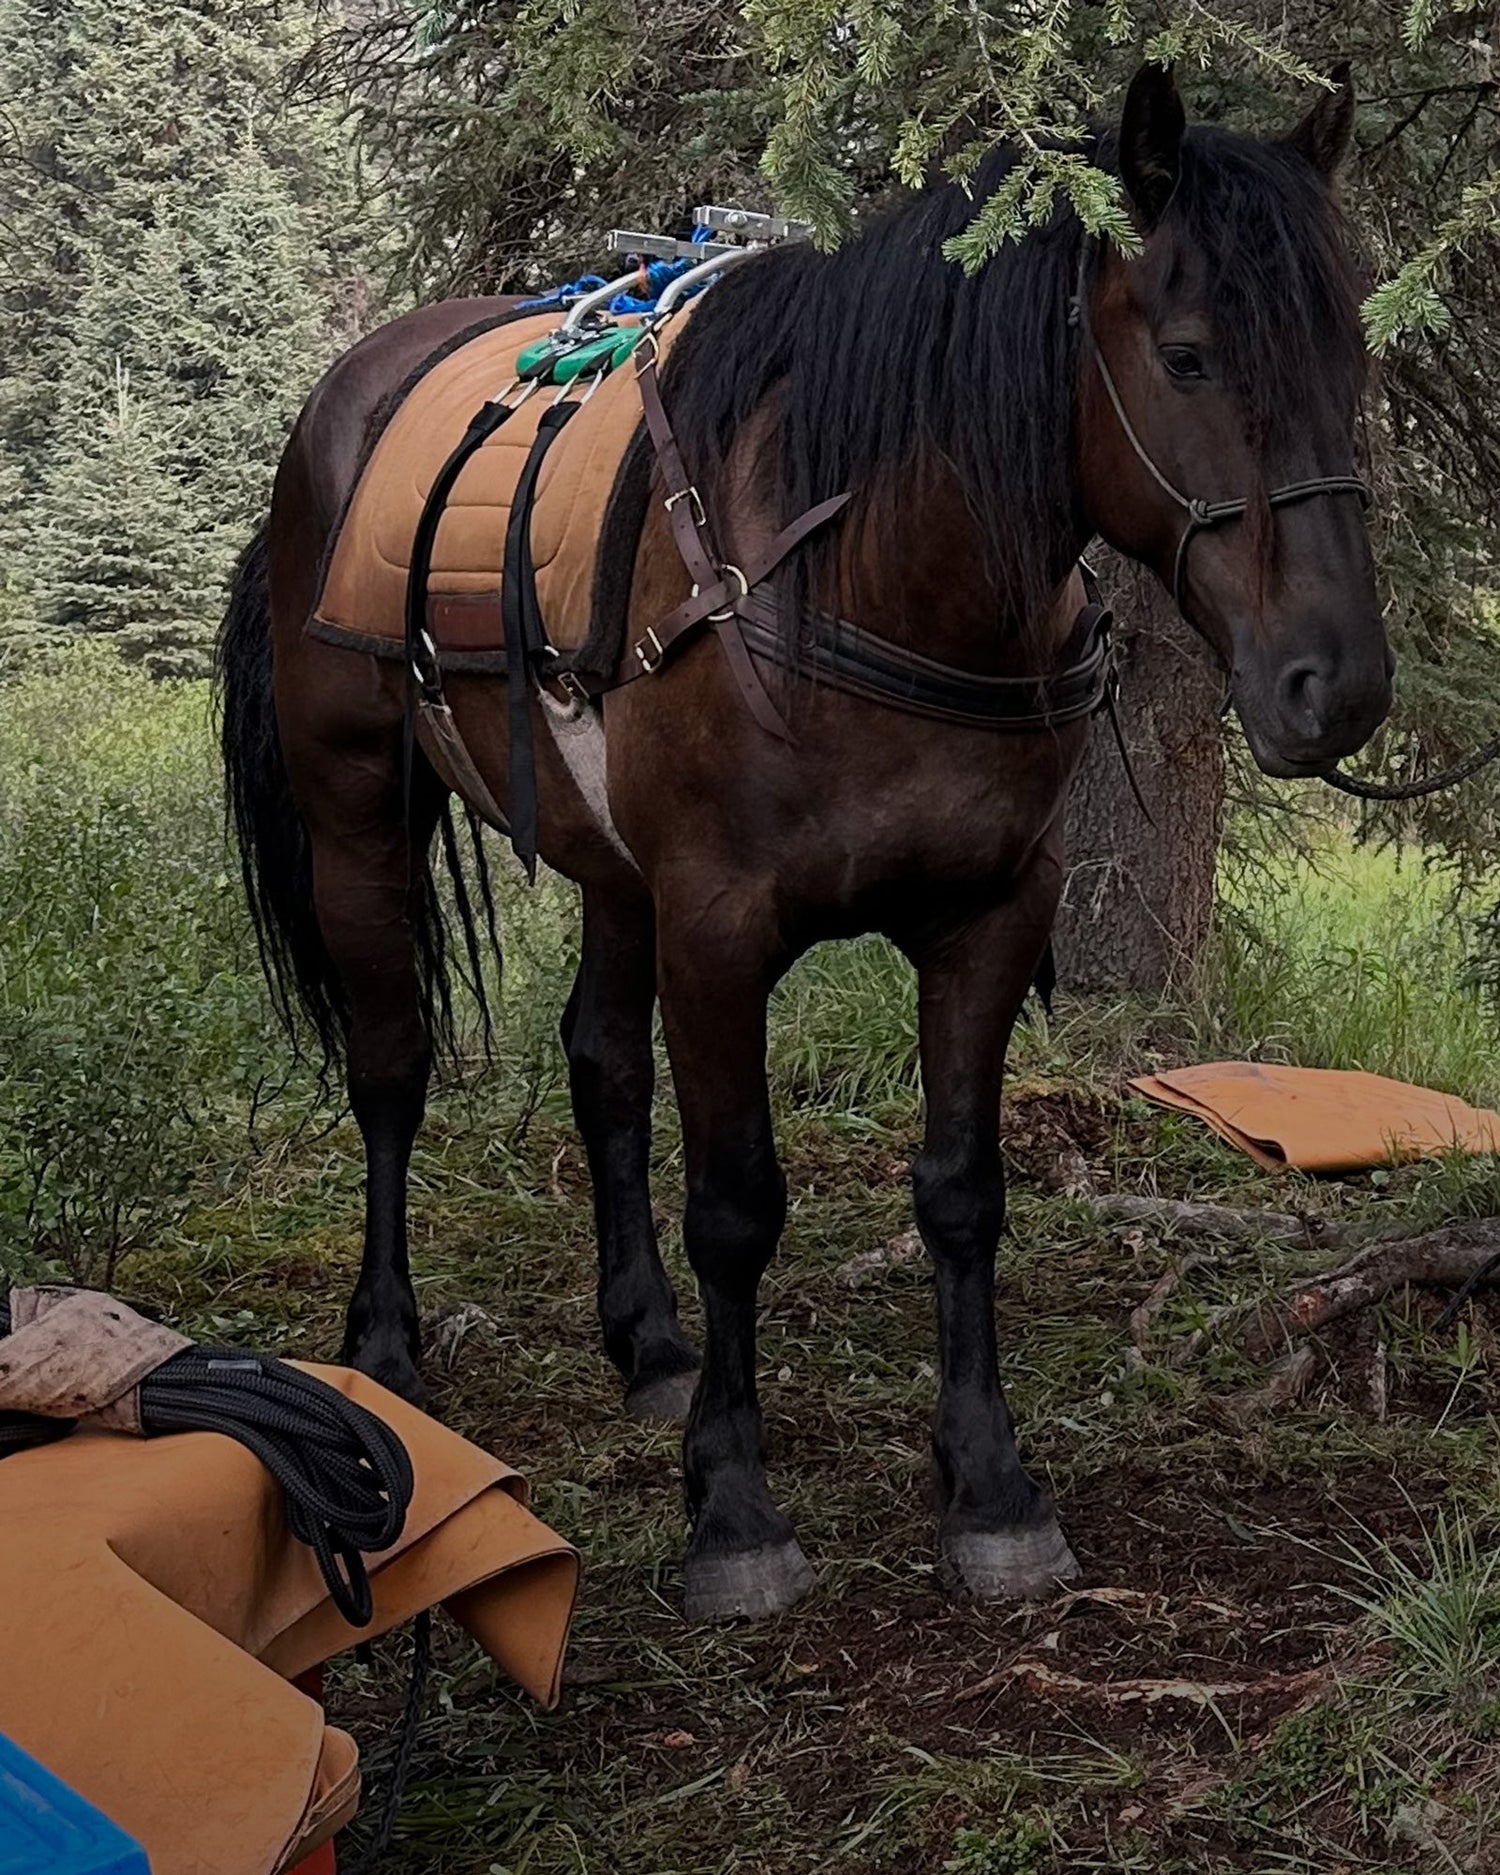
(606, 1031)
(999, 1535)
(368, 881)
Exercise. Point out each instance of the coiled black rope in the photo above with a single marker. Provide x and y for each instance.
(346, 1477)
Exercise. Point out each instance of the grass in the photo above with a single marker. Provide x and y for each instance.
(1358, 959)
(1335, 1570)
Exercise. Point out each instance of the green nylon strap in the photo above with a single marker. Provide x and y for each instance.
(561, 357)
(584, 360)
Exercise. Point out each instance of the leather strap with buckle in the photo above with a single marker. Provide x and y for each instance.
(719, 587)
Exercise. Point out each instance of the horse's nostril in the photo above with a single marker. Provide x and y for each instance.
(1303, 692)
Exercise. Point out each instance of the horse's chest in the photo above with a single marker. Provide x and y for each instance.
(965, 811)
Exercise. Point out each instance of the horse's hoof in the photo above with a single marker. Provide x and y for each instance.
(668, 1398)
(392, 1368)
(1000, 1566)
(749, 1585)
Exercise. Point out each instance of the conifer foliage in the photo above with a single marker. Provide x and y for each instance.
(175, 239)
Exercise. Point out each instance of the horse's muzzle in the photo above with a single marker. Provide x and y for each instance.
(1317, 710)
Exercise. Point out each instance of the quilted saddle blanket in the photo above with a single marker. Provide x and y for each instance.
(365, 575)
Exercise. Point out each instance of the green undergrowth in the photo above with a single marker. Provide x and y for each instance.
(1319, 1576)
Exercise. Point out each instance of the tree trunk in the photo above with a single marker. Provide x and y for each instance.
(1138, 900)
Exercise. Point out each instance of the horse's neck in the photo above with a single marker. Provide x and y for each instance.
(916, 573)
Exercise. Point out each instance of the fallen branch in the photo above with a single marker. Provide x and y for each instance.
(1290, 1379)
(1230, 1225)
(1150, 1692)
(1379, 1398)
(1449, 1258)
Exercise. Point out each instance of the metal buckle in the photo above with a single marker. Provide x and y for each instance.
(647, 350)
(430, 679)
(690, 493)
(573, 685)
(649, 664)
(727, 571)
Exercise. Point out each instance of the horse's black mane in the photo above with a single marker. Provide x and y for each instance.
(884, 358)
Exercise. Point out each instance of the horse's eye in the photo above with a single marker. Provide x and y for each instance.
(1182, 361)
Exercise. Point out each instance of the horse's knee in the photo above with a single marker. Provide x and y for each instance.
(731, 1221)
(960, 1204)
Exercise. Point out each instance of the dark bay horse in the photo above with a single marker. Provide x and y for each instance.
(987, 428)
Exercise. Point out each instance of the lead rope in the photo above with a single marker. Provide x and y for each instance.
(1413, 790)
(1112, 709)
(406, 1745)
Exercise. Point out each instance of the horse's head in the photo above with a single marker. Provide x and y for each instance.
(1223, 365)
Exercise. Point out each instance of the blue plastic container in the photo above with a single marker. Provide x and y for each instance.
(47, 1829)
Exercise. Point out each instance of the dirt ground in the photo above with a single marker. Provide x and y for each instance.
(1213, 1695)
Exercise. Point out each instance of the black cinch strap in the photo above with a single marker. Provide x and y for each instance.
(525, 640)
(422, 669)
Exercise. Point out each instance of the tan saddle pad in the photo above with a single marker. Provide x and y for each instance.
(1322, 1119)
(365, 580)
(154, 1607)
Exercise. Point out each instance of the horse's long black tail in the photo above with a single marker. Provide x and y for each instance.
(276, 850)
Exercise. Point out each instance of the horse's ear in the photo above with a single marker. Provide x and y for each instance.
(1323, 135)
(1151, 132)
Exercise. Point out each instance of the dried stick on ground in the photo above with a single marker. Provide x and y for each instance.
(1231, 1225)
(1446, 1259)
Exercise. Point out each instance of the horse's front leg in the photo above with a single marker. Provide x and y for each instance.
(998, 1532)
(718, 960)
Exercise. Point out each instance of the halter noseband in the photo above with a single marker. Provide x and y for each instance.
(1200, 514)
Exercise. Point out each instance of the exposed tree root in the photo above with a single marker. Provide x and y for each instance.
(1230, 1225)
(1290, 1379)
(1449, 1258)
(1167, 1285)
(1461, 1257)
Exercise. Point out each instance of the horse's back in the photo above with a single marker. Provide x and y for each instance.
(331, 436)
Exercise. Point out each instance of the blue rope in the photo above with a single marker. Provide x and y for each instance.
(659, 273)
(560, 295)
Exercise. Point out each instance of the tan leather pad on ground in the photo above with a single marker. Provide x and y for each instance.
(1322, 1119)
(153, 1606)
(364, 584)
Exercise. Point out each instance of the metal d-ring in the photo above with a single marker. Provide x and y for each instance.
(727, 571)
